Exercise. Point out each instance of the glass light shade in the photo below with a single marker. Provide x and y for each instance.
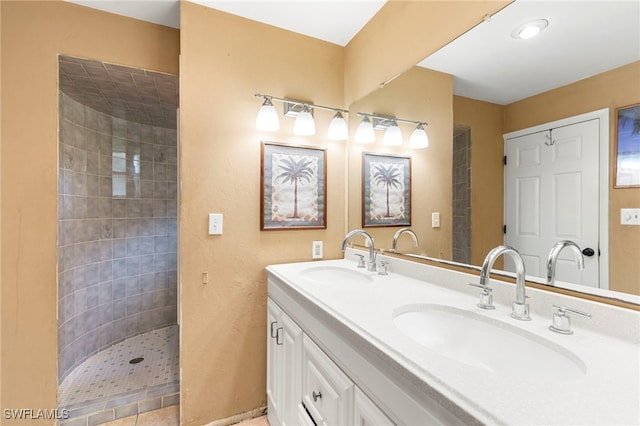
(419, 138)
(365, 132)
(392, 136)
(304, 124)
(338, 128)
(267, 118)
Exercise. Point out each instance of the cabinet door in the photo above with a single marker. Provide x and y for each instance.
(290, 370)
(327, 392)
(274, 363)
(366, 413)
(284, 360)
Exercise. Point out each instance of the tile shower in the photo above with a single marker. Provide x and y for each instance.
(461, 193)
(117, 239)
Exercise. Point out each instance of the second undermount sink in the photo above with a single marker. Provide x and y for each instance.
(490, 345)
(336, 274)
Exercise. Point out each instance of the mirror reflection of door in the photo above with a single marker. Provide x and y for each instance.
(551, 194)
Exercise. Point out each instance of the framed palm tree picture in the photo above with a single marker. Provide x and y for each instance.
(627, 147)
(293, 191)
(386, 190)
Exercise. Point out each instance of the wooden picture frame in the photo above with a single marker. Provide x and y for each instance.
(293, 191)
(386, 190)
(627, 137)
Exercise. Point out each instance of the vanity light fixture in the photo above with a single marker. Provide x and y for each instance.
(392, 132)
(304, 124)
(365, 132)
(530, 29)
(303, 113)
(338, 130)
(267, 118)
(419, 138)
(393, 135)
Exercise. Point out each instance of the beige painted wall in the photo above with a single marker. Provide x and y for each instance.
(33, 34)
(421, 95)
(403, 33)
(613, 89)
(0, 205)
(486, 121)
(225, 61)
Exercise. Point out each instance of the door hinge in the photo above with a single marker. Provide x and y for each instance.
(505, 160)
(504, 229)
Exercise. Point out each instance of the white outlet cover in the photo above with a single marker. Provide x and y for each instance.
(630, 216)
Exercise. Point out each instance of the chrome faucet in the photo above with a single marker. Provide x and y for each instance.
(520, 307)
(394, 245)
(371, 266)
(553, 258)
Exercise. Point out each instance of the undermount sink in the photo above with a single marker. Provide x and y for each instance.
(487, 344)
(335, 274)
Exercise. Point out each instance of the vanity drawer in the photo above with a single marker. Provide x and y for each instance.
(327, 392)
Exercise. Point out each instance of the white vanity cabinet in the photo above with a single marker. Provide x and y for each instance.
(366, 413)
(284, 358)
(327, 393)
(304, 386)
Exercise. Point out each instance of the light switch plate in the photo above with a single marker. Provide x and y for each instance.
(215, 224)
(630, 216)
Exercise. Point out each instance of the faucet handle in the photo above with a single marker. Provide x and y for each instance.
(562, 321)
(486, 298)
(384, 268)
(361, 261)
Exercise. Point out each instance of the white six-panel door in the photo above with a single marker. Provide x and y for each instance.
(551, 194)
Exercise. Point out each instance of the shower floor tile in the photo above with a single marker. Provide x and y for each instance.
(109, 373)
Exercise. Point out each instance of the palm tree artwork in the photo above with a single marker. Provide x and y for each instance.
(298, 171)
(628, 147)
(386, 191)
(387, 176)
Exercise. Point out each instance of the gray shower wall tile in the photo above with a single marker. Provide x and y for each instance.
(119, 288)
(119, 228)
(119, 268)
(93, 206)
(93, 142)
(115, 252)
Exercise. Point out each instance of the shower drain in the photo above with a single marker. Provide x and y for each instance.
(136, 360)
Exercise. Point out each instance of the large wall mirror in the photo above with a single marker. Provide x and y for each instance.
(477, 89)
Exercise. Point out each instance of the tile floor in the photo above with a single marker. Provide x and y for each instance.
(107, 386)
(170, 416)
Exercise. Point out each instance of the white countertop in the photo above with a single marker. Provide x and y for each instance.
(608, 344)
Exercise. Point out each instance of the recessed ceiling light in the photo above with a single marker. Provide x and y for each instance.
(530, 29)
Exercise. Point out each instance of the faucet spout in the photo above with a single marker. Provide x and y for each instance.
(552, 259)
(372, 254)
(520, 305)
(394, 244)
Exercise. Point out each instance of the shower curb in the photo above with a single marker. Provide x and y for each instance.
(85, 414)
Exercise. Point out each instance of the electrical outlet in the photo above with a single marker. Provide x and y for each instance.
(316, 250)
(435, 220)
(215, 224)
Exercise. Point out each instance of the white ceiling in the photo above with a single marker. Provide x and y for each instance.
(330, 20)
(584, 38)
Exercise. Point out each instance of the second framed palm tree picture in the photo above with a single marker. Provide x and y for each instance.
(293, 191)
(386, 190)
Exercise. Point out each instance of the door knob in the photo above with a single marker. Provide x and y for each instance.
(588, 252)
